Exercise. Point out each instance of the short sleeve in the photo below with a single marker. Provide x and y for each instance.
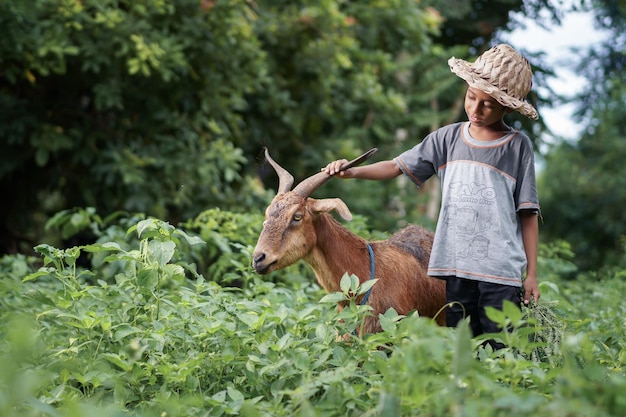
(526, 196)
(422, 161)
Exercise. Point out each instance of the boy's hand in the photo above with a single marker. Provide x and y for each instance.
(334, 168)
(531, 290)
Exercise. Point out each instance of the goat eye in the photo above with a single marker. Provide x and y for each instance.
(297, 217)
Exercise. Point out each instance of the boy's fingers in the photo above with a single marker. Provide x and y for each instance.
(334, 167)
(531, 294)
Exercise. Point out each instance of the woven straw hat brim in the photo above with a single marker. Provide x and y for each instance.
(463, 69)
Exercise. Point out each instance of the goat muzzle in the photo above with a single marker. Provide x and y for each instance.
(260, 265)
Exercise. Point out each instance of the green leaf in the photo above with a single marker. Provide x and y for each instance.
(39, 297)
(143, 225)
(512, 311)
(174, 271)
(250, 319)
(162, 252)
(235, 394)
(148, 277)
(192, 240)
(219, 397)
(463, 357)
(102, 247)
(388, 324)
(117, 361)
(334, 297)
(388, 405)
(365, 287)
(497, 316)
(321, 332)
(345, 283)
(249, 410)
(122, 331)
(42, 272)
(349, 283)
(389, 320)
(550, 285)
(48, 251)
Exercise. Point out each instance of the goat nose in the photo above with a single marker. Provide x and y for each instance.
(257, 260)
(258, 263)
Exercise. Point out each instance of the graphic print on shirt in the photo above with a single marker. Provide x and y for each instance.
(469, 216)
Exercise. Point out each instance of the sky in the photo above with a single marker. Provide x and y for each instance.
(576, 30)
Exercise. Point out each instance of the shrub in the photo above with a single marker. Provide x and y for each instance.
(156, 338)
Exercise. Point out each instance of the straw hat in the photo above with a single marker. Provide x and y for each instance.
(502, 73)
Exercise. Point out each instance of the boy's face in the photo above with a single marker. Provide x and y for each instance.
(483, 110)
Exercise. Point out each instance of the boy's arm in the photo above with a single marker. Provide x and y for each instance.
(382, 170)
(530, 236)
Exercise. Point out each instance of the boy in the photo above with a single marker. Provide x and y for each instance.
(487, 232)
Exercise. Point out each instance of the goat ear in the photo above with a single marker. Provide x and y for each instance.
(329, 204)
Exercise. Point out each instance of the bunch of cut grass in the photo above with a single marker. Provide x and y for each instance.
(549, 328)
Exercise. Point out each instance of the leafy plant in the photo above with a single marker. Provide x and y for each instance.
(157, 338)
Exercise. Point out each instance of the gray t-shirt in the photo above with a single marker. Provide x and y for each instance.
(483, 184)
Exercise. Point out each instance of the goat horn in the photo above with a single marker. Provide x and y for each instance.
(309, 185)
(285, 179)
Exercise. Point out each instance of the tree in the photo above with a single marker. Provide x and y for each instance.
(583, 182)
(163, 107)
(149, 105)
(122, 105)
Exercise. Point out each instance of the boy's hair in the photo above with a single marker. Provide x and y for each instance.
(502, 73)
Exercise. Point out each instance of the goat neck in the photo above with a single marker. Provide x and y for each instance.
(337, 251)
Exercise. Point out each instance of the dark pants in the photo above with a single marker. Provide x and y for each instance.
(474, 296)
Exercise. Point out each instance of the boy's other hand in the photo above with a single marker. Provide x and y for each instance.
(531, 290)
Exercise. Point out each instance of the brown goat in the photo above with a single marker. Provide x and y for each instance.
(299, 227)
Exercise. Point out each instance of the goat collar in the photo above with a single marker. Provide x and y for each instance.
(372, 269)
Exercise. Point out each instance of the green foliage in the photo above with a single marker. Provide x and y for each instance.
(580, 199)
(159, 339)
(555, 260)
(230, 238)
(581, 186)
(162, 107)
(124, 106)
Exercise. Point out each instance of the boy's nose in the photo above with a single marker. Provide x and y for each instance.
(474, 109)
